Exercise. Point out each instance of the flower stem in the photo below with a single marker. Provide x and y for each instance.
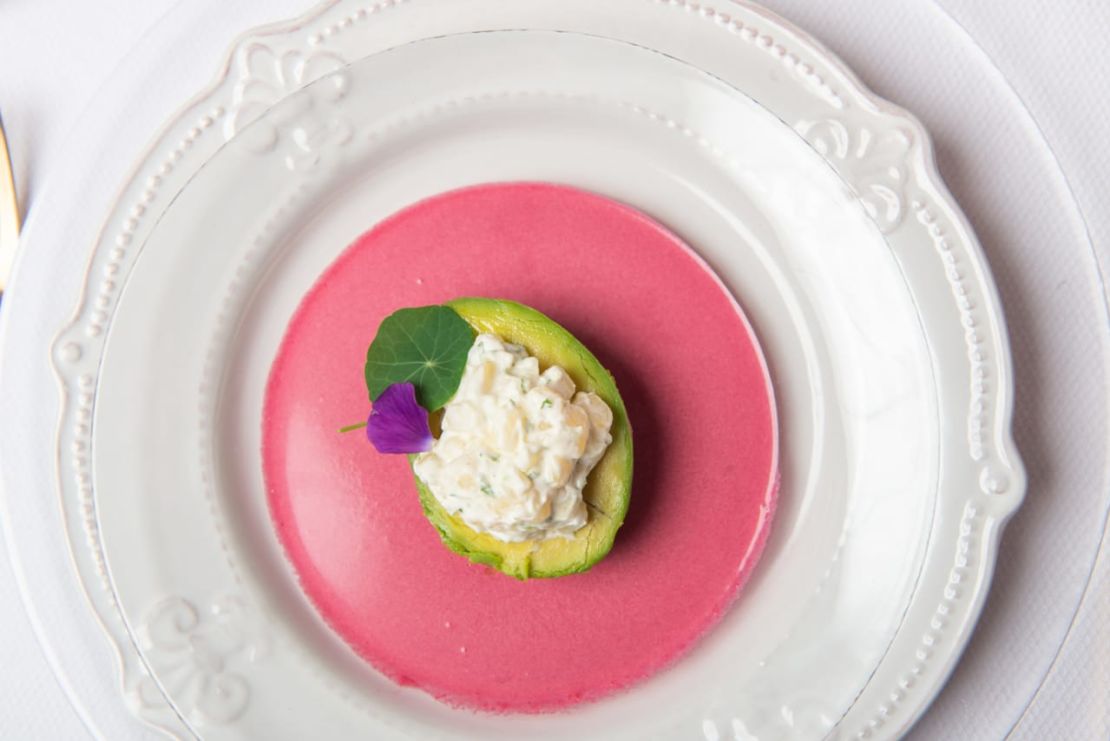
(348, 428)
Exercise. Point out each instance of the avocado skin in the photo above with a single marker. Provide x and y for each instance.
(609, 486)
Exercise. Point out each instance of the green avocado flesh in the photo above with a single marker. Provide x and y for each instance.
(609, 485)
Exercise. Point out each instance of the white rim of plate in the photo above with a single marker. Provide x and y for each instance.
(839, 123)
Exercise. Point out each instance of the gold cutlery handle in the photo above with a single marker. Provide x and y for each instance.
(9, 212)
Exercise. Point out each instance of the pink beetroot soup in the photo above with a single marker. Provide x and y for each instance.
(703, 421)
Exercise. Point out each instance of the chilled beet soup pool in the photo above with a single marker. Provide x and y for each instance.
(703, 424)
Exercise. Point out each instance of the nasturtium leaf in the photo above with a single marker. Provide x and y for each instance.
(425, 346)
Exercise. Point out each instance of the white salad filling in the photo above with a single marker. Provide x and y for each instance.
(516, 446)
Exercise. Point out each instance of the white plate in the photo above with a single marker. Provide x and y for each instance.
(868, 290)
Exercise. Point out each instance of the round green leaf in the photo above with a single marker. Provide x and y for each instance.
(425, 346)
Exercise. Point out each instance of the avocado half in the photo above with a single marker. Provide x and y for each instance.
(609, 485)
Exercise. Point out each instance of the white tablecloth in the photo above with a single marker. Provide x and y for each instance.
(1018, 102)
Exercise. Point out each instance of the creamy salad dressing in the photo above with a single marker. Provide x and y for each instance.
(516, 446)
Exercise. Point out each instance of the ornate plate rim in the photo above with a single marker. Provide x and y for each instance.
(1001, 483)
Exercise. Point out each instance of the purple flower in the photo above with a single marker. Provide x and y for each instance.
(397, 424)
